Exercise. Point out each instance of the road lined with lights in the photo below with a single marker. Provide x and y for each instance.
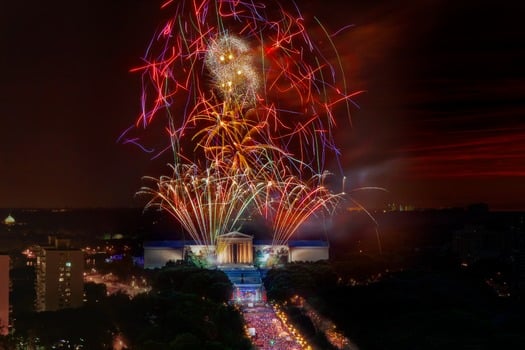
(113, 285)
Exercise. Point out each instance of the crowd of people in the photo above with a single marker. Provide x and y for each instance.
(267, 330)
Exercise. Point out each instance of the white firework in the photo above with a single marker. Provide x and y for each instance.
(230, 63)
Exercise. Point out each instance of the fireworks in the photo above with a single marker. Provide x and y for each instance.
(249, 103)
(230, 64)
(205, 203)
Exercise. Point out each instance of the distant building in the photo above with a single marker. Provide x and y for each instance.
(158, 253)
(308, 250)
(9, 220)
(4, 294)
(59, 276)
(399, 207)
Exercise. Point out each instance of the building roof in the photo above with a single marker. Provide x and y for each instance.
(9, 220)
(305, 243)
(235, 234)
(168, 244)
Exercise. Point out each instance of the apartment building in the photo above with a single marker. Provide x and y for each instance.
(59, 276)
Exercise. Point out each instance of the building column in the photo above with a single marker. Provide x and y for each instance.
(239, 253)
(246, 253)
(230, 253)
(243, 260)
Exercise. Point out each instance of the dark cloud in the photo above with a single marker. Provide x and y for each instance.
(443, 102)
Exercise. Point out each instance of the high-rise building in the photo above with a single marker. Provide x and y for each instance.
(59, 276)
(4, 294)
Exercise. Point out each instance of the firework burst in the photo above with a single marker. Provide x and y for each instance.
(230, 63)
(249, 103)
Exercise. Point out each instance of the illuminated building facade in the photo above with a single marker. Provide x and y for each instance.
(236, 248)
(4, 294)
(308, 250)
(243, 259)
(59, 276)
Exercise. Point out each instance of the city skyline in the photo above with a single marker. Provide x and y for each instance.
(438, 123)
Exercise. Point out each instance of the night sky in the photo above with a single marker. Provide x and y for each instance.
(441, 122)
